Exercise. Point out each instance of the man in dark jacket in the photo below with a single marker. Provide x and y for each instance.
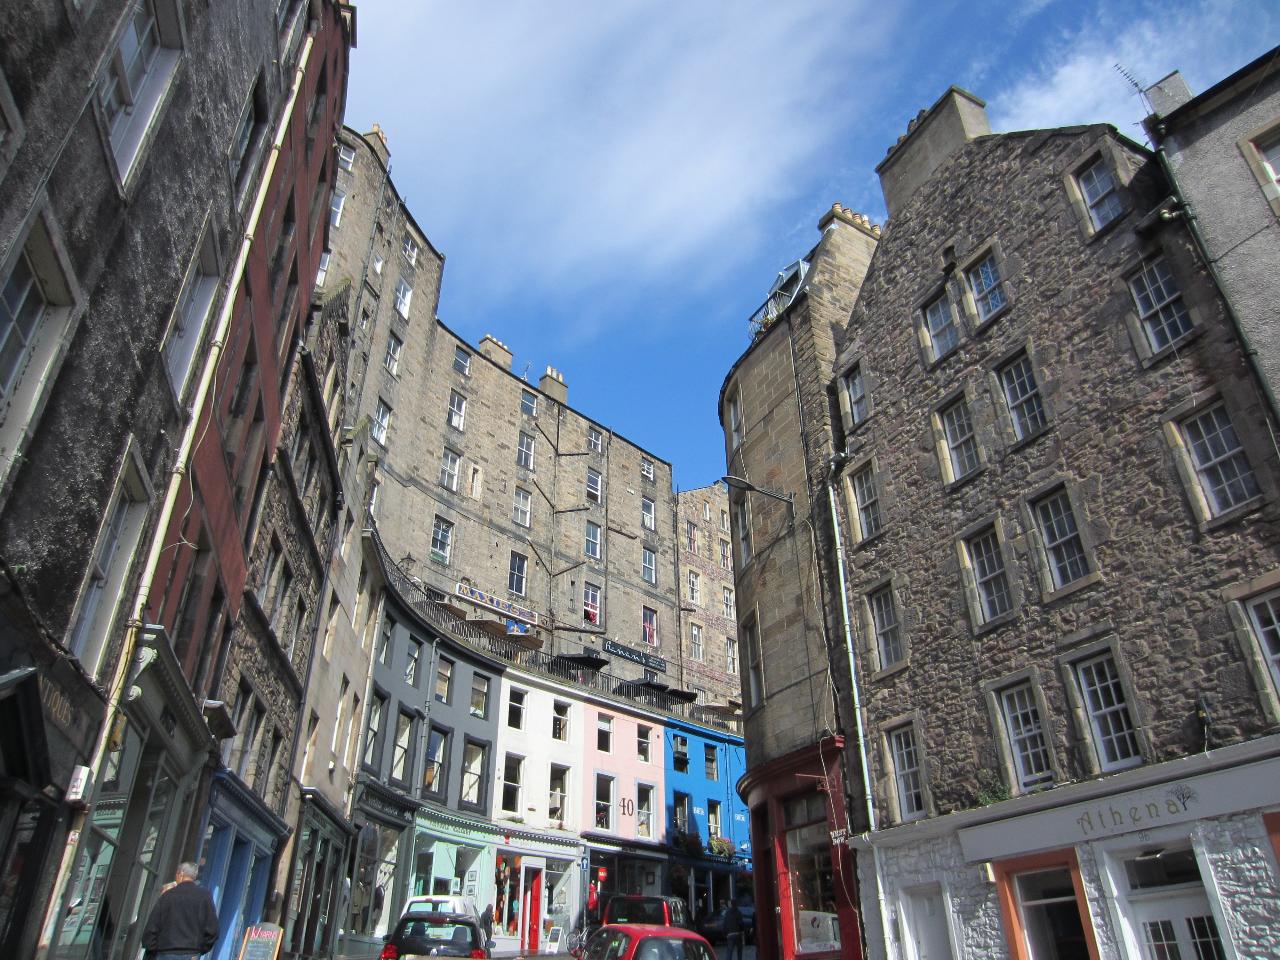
(183, 923)
(733, 931)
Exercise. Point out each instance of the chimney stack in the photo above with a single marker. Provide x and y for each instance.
(377, 138)
(552, 384)
(496, 350)
(932, 137)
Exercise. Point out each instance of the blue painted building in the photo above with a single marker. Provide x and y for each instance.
(707, 826)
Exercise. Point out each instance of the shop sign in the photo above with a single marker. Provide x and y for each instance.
(482, 599)
(62, 709)
(635, 656)
(1180, 801)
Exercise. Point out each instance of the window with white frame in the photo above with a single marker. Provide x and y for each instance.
(415, 659)
(604, 733)
(253, 122)
(726, 555)
(695, 642)
(691, 536)
(522, 508)
(987, 287)
(595, 485)
(680, 760)
(1050, 912)
(695, 587)
(1222, 469)
(346, 157)
(855, 392)
(590, 602)
(441, 539)
(392, 359)
(137, 72)
(990, 580)
(378, 264)
(908, 774)
(449, 461)
(755, 666)
(604, 802)
(743, 519)
(649, 625)
(1098, 188)
(728, 603)
(559, 720)
(1060, 537)
(593, 540)
(108, 566)
(515, 708)
(1024, 732)
(1264, 618)
(473, 764)
(479, 695)
(336, 205)
(648, 515)
(444, 679)
(434, 774)
(940, 328)
(962, 445)
(648, 565)
(1269, 153)
(724, 521)
(1022, 397)
(461, 361)
(595, 441)
(404, 296)
(706, 512)
(528, 403)
(381, 422)
(714, 825)
(409, 249)
(322, 270)
(457, 417)
(190, 316)
(1161, 312)
(646, 469)
(644, 811)
(731, 655)
(868, 503)
(512, 770)
(372, 731)
(884, 623)
(644, 736)
(524, 452)
(1115, 738)
(516, 573)
(401, 764)
(558, 793)
(734, 416)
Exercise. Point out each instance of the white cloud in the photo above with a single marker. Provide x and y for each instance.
(1076, 80)
(560, 141)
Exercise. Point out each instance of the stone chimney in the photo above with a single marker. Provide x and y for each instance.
(1168, 94)
(850, 217)
(931, 139)
(377, 138)
(552, 384)
(496, 350)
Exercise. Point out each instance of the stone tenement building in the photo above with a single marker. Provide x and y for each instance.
(1059, 525)
(1221, 149)
(166, 169)
(777, 417)
(537, 521)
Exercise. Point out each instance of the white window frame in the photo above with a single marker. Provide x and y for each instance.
(754, 688)
(346, 157)
(743, 553)
(856, 396)
(391, 361)
(990, 583)
(646, 469)
(441, 539)
(886, 626)
(509, 785)
(1263, 614)
(960, 439)
(594, 547)
(1022, 400)
(648, 514)
(987, 287)
(404, 297)
(528, 403)
(908, 772)
(380, 423)
(595, 440)
(649, 625)
(1162, 313)
(604, 733)
(695, 642)
(648, 566)
(190, 316)
(457, 415)
(522, 507)
(461, 361)
(604, 807)
(728, 602)
(1109, 719)
(733, 413)
(940, 327)
(1099, 192)
(868, 518)
(450, 461)
(409, 250)
(595, 485)
(731, 655)
(1024, 735)
(322, 268)
(695, 587)
(518, 574)
(1210, 465)
(1065, 553)
(590, 602)
(525, 451)
(337, 203)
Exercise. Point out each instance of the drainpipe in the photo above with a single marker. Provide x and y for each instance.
(191, 434)
(833, 464)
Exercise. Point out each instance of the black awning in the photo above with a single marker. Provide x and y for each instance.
(583, 661)
(684, 696)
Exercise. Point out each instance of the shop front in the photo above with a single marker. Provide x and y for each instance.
(384, 820)
(148, 788)
(805, 888)
(319, 878)
(237, 850)
(50, 716)
(624, 867)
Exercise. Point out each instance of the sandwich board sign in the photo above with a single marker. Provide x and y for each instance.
(261, 942)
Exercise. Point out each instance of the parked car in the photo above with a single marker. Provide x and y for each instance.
(634, 908)
(421, 934)
(442, 903)
(641, 941)
(712, 925)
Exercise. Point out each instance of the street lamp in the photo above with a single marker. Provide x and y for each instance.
(738, 483)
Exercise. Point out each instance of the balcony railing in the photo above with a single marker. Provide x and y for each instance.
(432, 609)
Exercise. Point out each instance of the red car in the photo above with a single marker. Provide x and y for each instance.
(642, 941)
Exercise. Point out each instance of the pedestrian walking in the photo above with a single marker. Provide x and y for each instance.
(733, 931)
(184, 922)
(486, 923)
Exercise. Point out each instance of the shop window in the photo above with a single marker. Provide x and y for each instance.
(1050, 915)
(1171, 914)
(809, 862)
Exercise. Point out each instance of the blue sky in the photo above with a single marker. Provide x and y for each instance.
(616, 184)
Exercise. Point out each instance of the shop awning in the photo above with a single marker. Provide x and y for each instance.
(684, 696)
(730, 709)
(582, 661)
(458, 612)
(641, 686)
(494, 628)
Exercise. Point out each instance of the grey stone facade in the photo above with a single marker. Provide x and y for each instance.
(704, 539)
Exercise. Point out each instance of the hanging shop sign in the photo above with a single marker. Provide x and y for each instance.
(493, 602)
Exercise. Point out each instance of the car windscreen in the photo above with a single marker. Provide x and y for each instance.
(672, 948)
(446, 938)
(637, 911)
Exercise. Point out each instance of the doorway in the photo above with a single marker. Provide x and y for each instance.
(926, 918)
(531, 871)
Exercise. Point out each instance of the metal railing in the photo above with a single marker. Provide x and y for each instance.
(419, 598)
